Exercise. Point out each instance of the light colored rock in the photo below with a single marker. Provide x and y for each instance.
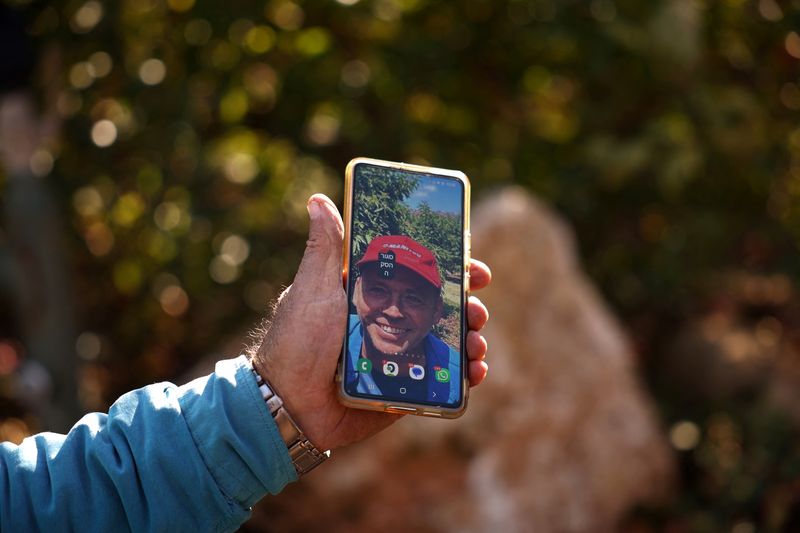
(573, 441)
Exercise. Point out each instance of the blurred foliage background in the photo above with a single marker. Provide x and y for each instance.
(667, 132)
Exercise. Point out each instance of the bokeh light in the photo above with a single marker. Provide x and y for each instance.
(9, 358)
(100, 64)
(684, 435)
(180, 6)
(198, 32)
(286, 15)
(88, 346)
(80, 75)
(793, 44)
(234, 249)
(87, 17)
(13, 430)
(104, 133)
(152, 71)
(41, 163)
(174, 300)
(223, 271)
(241, 168)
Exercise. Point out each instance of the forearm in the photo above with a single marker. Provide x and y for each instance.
(195, 457)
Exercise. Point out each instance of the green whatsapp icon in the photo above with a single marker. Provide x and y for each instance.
(443, 375)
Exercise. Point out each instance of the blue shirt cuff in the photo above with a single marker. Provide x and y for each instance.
(235, 433)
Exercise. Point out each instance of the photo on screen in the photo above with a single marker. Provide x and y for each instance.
(405, 326)
(426, 208)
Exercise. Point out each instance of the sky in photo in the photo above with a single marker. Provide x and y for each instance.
(443, 195)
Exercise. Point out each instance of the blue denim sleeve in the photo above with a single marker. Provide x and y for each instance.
(164, 458)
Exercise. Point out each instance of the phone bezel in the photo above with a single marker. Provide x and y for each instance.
(395, 406)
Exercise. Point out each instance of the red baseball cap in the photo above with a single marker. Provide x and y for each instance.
(391, 250)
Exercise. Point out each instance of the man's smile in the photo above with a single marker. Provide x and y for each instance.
(391, 330)
(397, 313)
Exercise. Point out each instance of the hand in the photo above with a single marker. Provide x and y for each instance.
(300, 350)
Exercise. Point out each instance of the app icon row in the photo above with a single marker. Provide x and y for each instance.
(415, 372)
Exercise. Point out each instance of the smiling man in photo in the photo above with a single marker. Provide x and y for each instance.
(398, 300)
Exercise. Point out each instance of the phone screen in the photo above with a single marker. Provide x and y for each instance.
(405, 328)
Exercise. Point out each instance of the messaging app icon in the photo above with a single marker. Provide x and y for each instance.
(442, 375)
(364, 365)
(416, 372)
(390, 368)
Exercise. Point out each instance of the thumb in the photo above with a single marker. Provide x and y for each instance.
(321, 267)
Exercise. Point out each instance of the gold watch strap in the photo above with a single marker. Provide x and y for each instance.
(305, 456)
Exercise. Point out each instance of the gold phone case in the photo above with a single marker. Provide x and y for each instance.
(393, 406)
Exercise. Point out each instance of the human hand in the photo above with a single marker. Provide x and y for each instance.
(300, 350)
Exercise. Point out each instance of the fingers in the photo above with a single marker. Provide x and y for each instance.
(476, 346)
(479, 275)
(477, 372)
(477, 314)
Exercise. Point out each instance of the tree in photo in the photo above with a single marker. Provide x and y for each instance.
(378, 206)
(440, 233)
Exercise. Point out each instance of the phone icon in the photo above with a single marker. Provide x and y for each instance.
(443, 375)
(416, 372)
(390, 368)
(364, 365)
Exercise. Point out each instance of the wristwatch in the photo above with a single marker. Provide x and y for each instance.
(305, 456)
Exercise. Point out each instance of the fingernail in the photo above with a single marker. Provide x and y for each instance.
(313, 209)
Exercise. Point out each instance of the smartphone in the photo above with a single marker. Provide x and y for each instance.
(406, 273)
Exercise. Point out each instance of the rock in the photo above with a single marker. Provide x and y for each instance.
(572, 440)
(560, 437)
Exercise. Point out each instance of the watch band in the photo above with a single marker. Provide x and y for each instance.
(305, 456)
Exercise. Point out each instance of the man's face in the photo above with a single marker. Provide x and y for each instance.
(397, 313)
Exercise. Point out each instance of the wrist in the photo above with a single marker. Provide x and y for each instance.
(294, 405)
(304, 454)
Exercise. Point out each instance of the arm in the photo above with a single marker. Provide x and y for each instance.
(165, 458)
(195, 458)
